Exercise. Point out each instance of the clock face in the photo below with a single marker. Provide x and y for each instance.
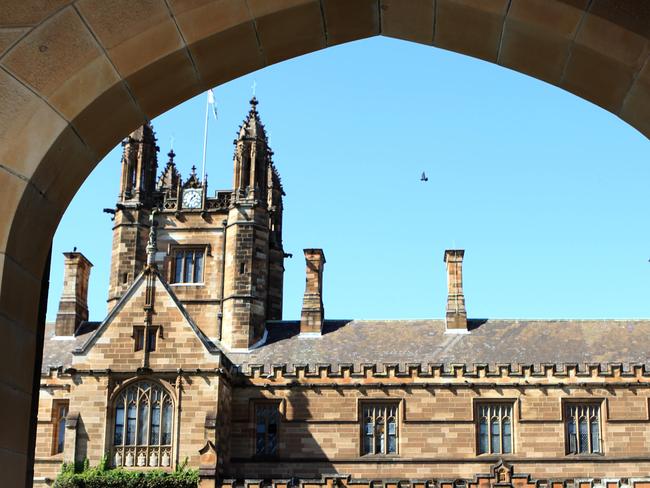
(192, 198)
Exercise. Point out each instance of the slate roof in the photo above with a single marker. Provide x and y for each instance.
(405, 342)
(57, 352)
(491, 342)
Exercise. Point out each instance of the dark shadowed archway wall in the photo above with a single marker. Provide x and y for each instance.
(76, 76)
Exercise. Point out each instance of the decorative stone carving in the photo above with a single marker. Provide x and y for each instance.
(165, 460)
(153, 459)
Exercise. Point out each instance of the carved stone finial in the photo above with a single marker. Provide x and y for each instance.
(152, 244)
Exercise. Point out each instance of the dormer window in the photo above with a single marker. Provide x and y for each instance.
(187, 265)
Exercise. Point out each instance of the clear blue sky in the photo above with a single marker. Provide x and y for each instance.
(546, 192)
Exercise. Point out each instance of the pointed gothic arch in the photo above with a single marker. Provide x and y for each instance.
(142, 424)
(71, 85)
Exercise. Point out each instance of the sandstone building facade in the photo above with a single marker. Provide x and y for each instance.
(193, 361)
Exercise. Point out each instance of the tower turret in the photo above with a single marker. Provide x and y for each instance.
(252, 158)
(139, 166)
(169, 182)
(254, 256)
(131, 216)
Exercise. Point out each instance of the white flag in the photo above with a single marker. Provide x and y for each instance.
(211, 102)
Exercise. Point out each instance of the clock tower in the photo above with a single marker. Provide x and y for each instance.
(193, 192)
(220, 252)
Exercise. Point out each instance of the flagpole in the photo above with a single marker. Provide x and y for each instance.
(205, 137)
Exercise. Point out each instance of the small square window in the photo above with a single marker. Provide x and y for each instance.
(139, 337)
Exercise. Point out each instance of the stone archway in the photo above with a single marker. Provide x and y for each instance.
(75, 76)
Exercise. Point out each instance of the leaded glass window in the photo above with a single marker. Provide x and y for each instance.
(267, 419)
(494, 428)
(141, 435)
(187, 265)
(380, 428)
(583, 428)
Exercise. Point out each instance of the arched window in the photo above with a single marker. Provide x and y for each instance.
(143, 419)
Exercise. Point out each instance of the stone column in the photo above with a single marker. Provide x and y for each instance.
(312, 316)
(456, 315)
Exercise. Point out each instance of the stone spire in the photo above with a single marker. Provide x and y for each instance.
(139, 166)
(252, 128)
(137, 197)
(170, 178)
(252, 294)
(252, 158)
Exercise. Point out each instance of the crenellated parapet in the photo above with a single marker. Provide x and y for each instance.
(584, 374)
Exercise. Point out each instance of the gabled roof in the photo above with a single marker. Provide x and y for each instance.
(139, 281)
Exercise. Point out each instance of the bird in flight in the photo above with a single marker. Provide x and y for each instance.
(424, 177)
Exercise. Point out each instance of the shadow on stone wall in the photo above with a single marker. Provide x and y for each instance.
(299, 454)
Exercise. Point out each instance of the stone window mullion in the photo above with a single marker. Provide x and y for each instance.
(134, 408)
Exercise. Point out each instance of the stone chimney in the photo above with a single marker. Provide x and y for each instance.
(456, 315)
(312, 316)
(73, 307)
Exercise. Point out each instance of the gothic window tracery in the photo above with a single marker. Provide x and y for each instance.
(583, 428)
(495, 428)
(143, 419)
(380, 429)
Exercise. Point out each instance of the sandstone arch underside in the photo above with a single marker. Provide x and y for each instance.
(77, 76)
